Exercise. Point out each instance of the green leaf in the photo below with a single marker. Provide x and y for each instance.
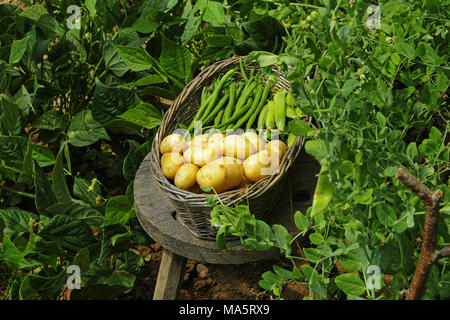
(312, 279)
(350, 283)
(316, 238)
(42, 155)
(385, 214)
(411, 151)
(349, 86)
(11, 118)
(50, 120)
(404, 48)
(59, 184)
(18, 49)
(147, 80)
(144, 115)
(316, 148)
(442, 82)
(283, 239)
(176, 60)
(38, 287)
(145, 25)
(109, 102)
(81, 259)
(84, 130)
(113, 61)
(73, 234)
(77, 209)
(299, 127)
(83, 190)
(214, 13)
(134, 159)
(136, 58)
(13, 150)
(13, 257)
(44, 192)
(301, 221)
(17, 220)
(34, 12)
(118, 211)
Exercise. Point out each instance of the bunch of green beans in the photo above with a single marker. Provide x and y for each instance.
(240, 100)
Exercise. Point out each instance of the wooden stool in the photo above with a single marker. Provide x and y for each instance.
(158, 218)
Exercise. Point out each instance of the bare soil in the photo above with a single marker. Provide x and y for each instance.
(204, 281)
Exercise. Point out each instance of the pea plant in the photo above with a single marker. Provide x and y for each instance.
(377, 93)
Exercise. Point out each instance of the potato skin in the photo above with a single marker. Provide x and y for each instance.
(237, 146)
(170, 163)
(185, 177)
(172, 143)
(277, 147)
(221, 174)
(257, 166)
(200, 156)
(212, 176)
(255, 139)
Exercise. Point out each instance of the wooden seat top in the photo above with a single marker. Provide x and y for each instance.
(157, 216)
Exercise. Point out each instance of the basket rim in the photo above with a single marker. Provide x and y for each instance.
(229, 196)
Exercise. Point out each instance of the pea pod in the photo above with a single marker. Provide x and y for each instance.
(270, 116)
(280, 109)
(290, 112)
(324, 190)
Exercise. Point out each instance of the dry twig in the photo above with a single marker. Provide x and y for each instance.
(430, 251)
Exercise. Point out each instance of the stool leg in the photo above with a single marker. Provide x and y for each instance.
(170, 276)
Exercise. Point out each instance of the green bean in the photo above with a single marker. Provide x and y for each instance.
(261, 104)
(216, 110)
(244, 74)
(211, 101)
(218, 119)
(244, 97)
(237, 116)
(216, 92)
(262, 118)
(229, 109)
(252, 109)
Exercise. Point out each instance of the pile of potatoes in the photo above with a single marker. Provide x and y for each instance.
(213, 160)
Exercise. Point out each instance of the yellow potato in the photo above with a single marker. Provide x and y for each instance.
(186, 176)
(170, 163)
(200, 156)
(276, 147)
(257, 166)
(212, 176)
(237, 146)
(221, 174)
(172, 143)
(254, 138)
(216, 137)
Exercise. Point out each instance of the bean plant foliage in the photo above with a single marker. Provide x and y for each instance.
(78, 114)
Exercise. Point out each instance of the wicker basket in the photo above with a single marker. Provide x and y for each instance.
(192, 210)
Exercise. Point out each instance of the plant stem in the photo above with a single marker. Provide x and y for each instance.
(430, 252)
